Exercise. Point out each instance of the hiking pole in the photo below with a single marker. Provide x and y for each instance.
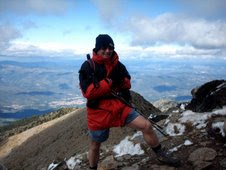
(156, 126)
(130, 105)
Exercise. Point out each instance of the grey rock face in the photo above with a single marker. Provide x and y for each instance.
(209, 96)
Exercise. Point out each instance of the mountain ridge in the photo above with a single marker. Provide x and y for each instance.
(68, 138)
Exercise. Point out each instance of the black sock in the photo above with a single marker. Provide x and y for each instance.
(157, 148)
(94, 167)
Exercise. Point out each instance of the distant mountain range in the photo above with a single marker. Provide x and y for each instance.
(34, 86)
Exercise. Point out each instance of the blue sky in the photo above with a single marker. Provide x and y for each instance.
(139, 28)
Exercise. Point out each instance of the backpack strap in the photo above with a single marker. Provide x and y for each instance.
(91, 63)
(93, 67)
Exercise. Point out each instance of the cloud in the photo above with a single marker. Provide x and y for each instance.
(27, 49)
(169, 28)
(41, 7)
(8, 33)
(109, 11)
(167, 51)
(29, 24)
(206, 9)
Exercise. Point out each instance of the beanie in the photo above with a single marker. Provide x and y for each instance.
(103, 40)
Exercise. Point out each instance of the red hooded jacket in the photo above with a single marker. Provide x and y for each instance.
(109, 111)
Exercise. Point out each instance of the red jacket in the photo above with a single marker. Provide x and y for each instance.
(109, 112)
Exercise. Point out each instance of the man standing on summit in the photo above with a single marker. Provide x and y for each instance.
(99, 77)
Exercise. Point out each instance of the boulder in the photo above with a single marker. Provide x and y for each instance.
(201, 158)
(209, 96)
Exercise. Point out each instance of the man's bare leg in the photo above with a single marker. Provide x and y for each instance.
(93, 155)
(142, 124)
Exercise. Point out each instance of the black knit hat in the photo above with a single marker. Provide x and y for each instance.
(103, 40)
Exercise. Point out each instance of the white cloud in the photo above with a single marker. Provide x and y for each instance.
(7, 34)
(169, 28)
(50, 49)
(109, 11)
(42, 7)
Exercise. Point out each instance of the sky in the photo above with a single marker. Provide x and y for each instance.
(139, 28)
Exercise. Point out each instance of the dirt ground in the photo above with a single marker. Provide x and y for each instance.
(57, 139)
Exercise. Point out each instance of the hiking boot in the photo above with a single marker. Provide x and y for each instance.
(165, 157)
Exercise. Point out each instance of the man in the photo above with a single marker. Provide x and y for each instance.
(99, 77)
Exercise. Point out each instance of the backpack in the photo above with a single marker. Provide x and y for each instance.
(93, 68)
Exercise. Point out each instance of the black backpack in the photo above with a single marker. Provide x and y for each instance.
(93, 68)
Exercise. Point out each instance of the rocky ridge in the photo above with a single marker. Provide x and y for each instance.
(197, 138)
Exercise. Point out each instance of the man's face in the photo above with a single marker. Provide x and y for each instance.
(105, 52)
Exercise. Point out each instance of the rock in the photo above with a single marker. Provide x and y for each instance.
(143, 106)
(162, 167)
(123, 158)
(215, 128)
(165, 104)
(209, 96)
(223, 163)
(109, 163)
(202, 165)
(2, 167)
(133, 167)
(204, 154)
(225, 126)
(201, 158)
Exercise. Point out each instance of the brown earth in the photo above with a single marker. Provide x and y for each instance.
(67, 136)
(57, 139)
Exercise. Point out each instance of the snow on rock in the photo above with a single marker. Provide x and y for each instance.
(220, 111)
(199, 119)
(182, 106)
(127, 147)
(137, 134)
(175, 148)
(72, 162)
(175, 129)
(219, 125)
(164, 104)
(187, 142)
(52, 166)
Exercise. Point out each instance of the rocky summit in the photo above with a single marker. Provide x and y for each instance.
(196, 138)
(209, 96)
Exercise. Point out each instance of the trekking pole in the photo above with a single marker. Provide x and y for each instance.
(156, 126)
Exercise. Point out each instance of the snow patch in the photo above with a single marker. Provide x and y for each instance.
(182, 106)
(219, 125)
(187, 142)
(199, 119)
(72, 162)
(175, 129)
(175, 148)
(52, 166)
(127, 147)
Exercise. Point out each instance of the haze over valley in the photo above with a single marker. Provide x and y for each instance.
(37, 86)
